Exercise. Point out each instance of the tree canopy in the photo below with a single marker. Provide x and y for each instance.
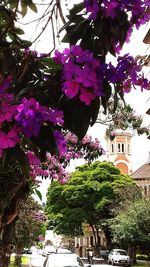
(87, 198)
(30, 226)
(132, 224)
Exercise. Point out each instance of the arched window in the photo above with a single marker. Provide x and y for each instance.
(119, 148)
(112, 148)
(91, 240)
(129, 152)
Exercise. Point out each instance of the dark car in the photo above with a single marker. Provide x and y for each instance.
(104, 254)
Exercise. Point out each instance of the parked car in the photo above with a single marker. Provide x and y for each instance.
(104, 254)
(119, 257)
(62, 260)
(63, 250)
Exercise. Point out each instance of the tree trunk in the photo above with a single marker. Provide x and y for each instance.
(19, 250)
(6, 244)
(108, 237)
(95, 234)
(4, 256)
(132, 253)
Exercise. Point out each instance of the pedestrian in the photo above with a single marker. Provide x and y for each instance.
(88, 255)
(91, 256)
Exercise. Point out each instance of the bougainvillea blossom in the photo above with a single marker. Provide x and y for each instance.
(9, 139)
(80, 74)
(30, 116)
(126, 74)
(25, 118)
(55, 166)
(136, 9)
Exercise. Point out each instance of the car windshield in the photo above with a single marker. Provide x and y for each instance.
(121, 252)
(67, 260)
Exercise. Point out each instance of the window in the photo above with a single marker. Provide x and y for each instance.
(120, 148)
(129, 149)
(112, 148)
(91, 240)
(99, 240)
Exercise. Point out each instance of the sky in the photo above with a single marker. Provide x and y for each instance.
(140, 101)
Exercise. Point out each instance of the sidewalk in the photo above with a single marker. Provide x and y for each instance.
(95, 260)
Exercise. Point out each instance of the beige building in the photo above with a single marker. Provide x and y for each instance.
(87, 241)
(142, 177)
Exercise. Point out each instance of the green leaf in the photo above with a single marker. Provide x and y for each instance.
(77, 8)
(38, 193)
(13, 4)
(33, 7)
(65, 38)
(23, 8)
(49, 62)
(17, 30)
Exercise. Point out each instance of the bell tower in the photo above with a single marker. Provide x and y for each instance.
(119, 150)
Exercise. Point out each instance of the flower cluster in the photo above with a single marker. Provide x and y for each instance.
(126, 74)
(80, 77)
(136, 9)
(25, 118)
(84, 76)
(54, 166)
(31, 115)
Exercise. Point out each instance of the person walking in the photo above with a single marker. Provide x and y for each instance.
(91, 256)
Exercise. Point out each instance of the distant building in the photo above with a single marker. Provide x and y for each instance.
(119, 151)
(142, 177)
(87, 241)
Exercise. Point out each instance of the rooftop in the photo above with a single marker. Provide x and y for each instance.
(142, 172)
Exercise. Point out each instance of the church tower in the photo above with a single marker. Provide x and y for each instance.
(119, 150)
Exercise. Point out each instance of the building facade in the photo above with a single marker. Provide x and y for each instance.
(87, 241)
(142, 178)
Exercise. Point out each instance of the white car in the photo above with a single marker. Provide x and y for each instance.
(119, 257)
(63, 260)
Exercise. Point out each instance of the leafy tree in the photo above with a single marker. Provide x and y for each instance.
(30, 225)
(122, 117)
(132, 225)
(45, 95)
(87, 198)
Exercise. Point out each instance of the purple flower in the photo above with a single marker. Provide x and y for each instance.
(61, 143)
(71, 88)
(86, 96)
(9, 139)
(6, 83)
(31, 115)
(80, 74)
(135, 9)
(92, 7)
